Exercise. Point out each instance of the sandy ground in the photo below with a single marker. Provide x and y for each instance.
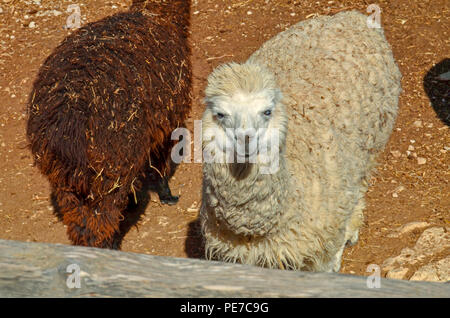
(410, 184)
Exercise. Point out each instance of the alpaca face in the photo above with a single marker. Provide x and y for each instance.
(245, 122)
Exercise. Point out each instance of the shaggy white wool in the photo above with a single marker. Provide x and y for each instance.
(340, 87)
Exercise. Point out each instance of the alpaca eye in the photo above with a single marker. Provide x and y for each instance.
(220, 115)
(268, 112)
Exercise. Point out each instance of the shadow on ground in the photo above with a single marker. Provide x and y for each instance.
(194, 245)
(437, 87)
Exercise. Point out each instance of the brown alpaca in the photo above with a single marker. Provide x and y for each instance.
(102, 111)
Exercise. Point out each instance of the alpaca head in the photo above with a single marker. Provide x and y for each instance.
(244, 120)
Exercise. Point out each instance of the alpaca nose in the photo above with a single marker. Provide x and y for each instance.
(244, 135)
(245, 142)
(245, 139)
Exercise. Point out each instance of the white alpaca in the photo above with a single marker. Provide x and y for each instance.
(328, 88)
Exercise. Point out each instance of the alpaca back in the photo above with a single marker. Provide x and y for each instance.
(120, 83)
(340, 85)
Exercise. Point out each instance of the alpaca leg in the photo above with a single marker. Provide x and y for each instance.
(164, 193)
(338, 259)
(334, 253)
(161, 172)
(332, 249)
(351, 233)
(160, 185)
(355, 222)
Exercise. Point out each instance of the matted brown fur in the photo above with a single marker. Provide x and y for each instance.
(102, 110)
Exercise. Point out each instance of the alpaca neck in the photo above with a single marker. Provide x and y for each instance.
(245, 198)
(178, 10)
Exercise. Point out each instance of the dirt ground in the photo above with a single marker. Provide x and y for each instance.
(411, 182)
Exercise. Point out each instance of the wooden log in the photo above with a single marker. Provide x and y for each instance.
(41, 270)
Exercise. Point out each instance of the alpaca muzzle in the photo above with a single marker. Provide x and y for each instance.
(246, 145)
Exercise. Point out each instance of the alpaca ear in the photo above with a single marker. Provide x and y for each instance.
(209, 103)
(277, 96)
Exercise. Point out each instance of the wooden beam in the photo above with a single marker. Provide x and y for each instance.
(40, 270)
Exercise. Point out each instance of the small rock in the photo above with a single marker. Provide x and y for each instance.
(421, 161)
(410, 154)
(193, 205)
(435, 272)
(418, 124)
(32, 25)
(411, 148)
(293, 14)
(425, 273)
(193, 208)
(397, 273)
(409, 227)
(434, 240)
(399, 189)
(249, 13)
(412, 141)
(396, 153)
(1, 10)
(196, 12)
